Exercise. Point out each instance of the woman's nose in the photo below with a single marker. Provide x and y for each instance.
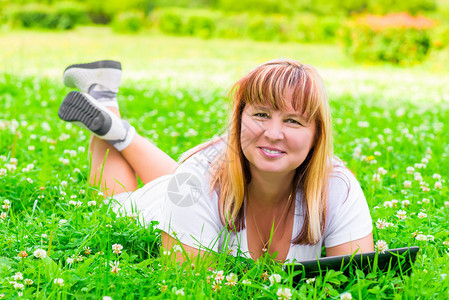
(273, 130)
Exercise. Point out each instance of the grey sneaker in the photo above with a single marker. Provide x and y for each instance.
(106, 73)
(83, 110)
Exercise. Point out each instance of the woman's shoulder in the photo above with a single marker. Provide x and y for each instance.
(342, 182)
(205, 152)
(340, 173)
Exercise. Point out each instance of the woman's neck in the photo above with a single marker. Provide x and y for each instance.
(270, 191)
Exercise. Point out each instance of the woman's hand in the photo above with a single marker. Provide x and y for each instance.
(187, 253)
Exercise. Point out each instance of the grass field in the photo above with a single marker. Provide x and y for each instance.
(390, 126)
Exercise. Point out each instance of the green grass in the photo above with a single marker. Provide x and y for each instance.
(174, 93)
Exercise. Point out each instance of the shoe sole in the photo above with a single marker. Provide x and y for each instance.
(104, 72)
(76, 107)
(101, 64)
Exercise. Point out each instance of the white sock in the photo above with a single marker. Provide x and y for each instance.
(103, 95)
(121, 143)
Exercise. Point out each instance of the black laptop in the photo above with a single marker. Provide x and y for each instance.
(398, 260)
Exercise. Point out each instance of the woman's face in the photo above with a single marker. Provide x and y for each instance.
(275, 141)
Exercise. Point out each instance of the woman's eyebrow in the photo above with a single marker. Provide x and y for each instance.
(299, 116)
(259, 107)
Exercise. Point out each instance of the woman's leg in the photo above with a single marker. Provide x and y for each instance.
(147, 160)
(114, 162)
(110, 169)
(117, 173)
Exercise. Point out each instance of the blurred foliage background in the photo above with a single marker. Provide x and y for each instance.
(400, 32)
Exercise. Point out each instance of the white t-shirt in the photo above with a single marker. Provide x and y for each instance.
(186, 209)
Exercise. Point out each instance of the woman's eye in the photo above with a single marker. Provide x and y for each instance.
(293, 121)
(261, 115)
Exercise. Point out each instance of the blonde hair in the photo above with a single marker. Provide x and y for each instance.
(277, 83)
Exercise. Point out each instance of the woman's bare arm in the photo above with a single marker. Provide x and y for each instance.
(363, 245)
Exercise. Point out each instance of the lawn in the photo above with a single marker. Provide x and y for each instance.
(390, 126)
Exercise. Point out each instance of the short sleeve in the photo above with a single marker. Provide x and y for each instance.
(190, 210)
(348, 216)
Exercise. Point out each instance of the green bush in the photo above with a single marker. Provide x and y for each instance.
(200, 25)
(63, 15)
(129, 21)
(208, 23)
(269, 28)
(170, 22)
(178, 21)
(396, 38)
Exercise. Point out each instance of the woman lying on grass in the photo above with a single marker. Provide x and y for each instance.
(269, 185)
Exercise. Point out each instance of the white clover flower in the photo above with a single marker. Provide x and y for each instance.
(425, 200)
(422, 215)
(407, 184)
(114, 267)
(381, 246)
(381, 224)
(18, 276)
(381, 171)
(71, 202)
(363, 124)
(246, 281)
(177, 249)
(3, 172)
(179, 292)
(430, 237)
(436, 176)
(40, 253)
(3, 215)
(275, 278)
(394, 202)
(346, 296)
(19, 286)
(418, 177)
(388, 204)
(310, 280)
(446, 243)
(390, 148)
(410, 170)
(219, 276)
(70, 260)
(92, 203)
(438, 185)
(62, 222)
(405, 203)
(30, 180)
(31, 148)
(117, 248)
(421, 237)
(28, 281)
(59, 281)
(107, 298)
(284, 293)
(232, 279)
(446, 204)
(376, 177)
(401, 214)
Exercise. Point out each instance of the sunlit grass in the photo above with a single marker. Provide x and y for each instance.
(389, 126)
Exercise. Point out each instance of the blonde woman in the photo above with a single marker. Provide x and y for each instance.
(269, 185)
